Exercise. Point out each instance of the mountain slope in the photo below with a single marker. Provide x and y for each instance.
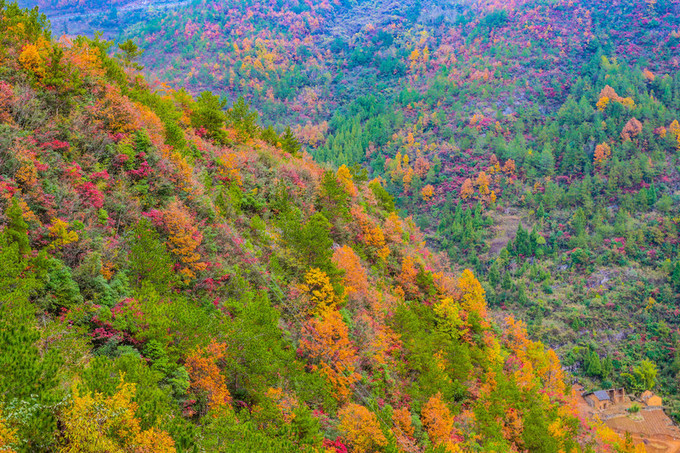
(501, 128)
(179, 279)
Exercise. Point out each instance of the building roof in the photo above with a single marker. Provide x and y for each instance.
(601, 395)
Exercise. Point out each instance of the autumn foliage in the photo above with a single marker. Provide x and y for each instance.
(183, 240)
(355, 279)
(206, 376)
(602, 153)
(345, 178)
(317, 286)
(7, 436)
(632, 128)
(94, 423)
(607, 95)
(427, 192)
(438, 422)
(361, 428)
(467, 189)
(178, 277)
(331, 353)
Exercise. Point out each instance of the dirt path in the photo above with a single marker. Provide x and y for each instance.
(505, 228)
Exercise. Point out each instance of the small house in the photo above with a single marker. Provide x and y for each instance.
(650, 399)
(598, 399)
(617, 396)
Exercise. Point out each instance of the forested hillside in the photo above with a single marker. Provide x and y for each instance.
(534, 142)
(178, 278)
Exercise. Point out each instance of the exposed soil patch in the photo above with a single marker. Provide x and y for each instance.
(505, 229)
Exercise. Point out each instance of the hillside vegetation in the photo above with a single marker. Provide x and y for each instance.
(534, 142)
(177, 278)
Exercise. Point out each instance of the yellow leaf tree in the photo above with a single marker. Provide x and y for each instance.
(448, 311)
(345, 178)
(602, 103)
(318, 288)
(60, 234)
(95, 423)
(472, 295)
(31, 60)
(482, 182)
(360, 428)
(427, 193)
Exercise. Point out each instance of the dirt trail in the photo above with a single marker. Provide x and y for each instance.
(505, 228)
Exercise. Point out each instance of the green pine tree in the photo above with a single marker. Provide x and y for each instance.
(17, 228)
(27, 375)
(289, 143)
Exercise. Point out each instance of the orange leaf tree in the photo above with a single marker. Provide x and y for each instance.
(407, 277)
(207, 380)
(7, 436)
(467, 189)
(632, 128)
(371, 233)
(509, 168)
(183, 239)
(438, 422)
(326, 343)
(427, 192)
(608, 94)
(355, 280)
(602, 153)
(403, 429)
(393, 228)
